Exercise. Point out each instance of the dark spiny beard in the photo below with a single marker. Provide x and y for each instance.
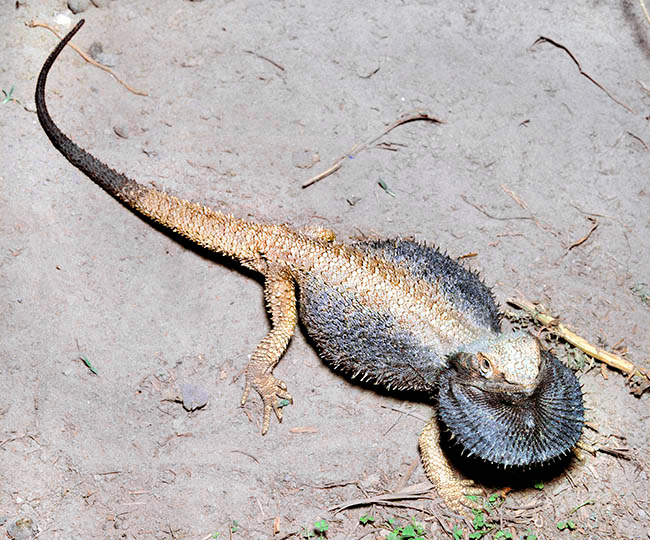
(517, 429)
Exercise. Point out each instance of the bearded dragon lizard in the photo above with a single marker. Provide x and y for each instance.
(393, 312)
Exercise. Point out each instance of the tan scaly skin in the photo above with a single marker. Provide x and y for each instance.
(390, 301)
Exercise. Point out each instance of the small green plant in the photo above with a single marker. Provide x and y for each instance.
(234, 527)
(88, 365)
(479, 519)
(538, 485)
(321, 527)
(9, 96)
(457, 533)
(503, 534)
(568, 524)
(318, 530)
(494, 501)
(530, 535)
(586, 503)
(385, 187)
(480, 525)
(412, 531)
(642, 290)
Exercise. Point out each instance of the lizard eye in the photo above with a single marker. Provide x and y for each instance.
(485, 365)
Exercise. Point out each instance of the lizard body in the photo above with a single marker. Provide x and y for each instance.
(394, 312)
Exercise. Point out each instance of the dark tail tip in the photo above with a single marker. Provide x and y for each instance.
(108, 179)
(41, 107)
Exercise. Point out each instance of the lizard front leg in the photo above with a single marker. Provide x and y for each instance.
(439, 471)
(280, 294)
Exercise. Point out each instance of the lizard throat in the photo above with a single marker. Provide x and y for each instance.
(517, 429)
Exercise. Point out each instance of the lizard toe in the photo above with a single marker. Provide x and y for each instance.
(455, 495)
(271, 390)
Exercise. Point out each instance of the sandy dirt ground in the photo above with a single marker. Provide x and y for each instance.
(246, 101)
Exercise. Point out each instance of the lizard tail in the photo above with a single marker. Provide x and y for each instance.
(207, 227)
(110, 180)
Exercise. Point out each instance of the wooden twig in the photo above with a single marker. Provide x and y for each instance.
(261, 57)
(423, 490)
(543, 39)
(358, 148)
(577, 243)
(555, 326)
(644, 87)
(514, 196)
(645, 11)
(409, 472)
(487, 214)
(34, 24)
(641, 141)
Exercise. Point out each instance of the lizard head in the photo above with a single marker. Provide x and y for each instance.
(510, 403)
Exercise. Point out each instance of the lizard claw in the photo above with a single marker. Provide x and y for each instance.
(271, 390)
(455, 494)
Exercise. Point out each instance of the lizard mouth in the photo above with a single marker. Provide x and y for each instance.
(517, 429)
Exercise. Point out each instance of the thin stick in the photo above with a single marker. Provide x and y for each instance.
(261, 57)
(647, 90)
(647, 17)
(409, 473)
(553, 325)
(639, 139)
(514, 196)
(487, 214)
(358, 148)
(586, 236)
(542, 39)
(423, 490)
(34, 24)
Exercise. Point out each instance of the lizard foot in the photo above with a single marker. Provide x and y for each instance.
(271, 390)
(438, 469)
(454, 492)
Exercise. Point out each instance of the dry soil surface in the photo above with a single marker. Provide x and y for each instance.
(245, 102)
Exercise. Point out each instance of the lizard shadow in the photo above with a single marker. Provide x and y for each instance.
(203, 252)
(493, 476)
(489, 475)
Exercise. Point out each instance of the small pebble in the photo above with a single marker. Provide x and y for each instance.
(304, 159)
(96, 52)
(367, 69)
(63, 20)
(192, 61)
(168, 477)
(23, 528)
(78, 6)
(121, 130)
(194, 397)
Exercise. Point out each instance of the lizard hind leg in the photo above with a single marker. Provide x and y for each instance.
(280, 294)
(439, 471)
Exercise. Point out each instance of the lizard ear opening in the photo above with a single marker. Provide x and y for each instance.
(514, 429)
